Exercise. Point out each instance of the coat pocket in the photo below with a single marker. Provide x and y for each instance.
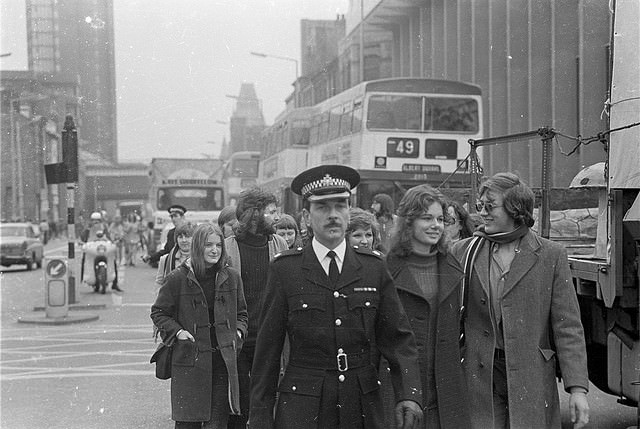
(185, 353)
(299, 401)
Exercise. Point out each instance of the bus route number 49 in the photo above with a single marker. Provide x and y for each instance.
(398, 147)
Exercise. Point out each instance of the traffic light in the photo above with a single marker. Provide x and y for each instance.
(67, 170)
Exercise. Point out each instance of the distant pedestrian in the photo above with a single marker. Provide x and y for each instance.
(287, 228)
(200, 310)
(227, 219)
(363, 230)
(458, 223)
(384, 210)
(44, 231)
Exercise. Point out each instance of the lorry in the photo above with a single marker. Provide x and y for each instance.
(195, 184)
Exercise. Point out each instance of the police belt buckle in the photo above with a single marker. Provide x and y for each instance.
(343, 363)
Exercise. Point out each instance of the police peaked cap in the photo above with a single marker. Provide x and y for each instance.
(325, 182)
(177, 208)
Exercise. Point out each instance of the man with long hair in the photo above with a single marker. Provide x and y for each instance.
(521, 317)
(250, 249)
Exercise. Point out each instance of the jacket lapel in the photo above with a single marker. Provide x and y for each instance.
(350, 269)
(313, 272)
(523, 261)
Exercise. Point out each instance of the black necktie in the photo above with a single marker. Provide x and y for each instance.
(333, 268)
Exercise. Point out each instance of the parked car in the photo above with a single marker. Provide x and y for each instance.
(20, 244)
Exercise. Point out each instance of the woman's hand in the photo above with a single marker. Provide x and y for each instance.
(185, 335)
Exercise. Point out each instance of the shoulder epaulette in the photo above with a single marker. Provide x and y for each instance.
(288, 252)
(367, 251)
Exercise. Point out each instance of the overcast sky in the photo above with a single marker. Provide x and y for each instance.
(176, 60)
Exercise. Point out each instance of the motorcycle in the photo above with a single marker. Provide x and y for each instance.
(99, 266)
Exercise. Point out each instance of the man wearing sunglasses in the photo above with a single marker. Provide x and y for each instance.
(521, 317)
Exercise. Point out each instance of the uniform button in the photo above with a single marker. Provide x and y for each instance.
(305, 305)
(367, 304)
(341, 378)
(482, 300)
(340, 351)
(336, 294)
(294, 388)
(481, 365)
(338, 322)
(486, 333)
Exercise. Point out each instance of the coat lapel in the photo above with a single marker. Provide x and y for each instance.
(402, 277)
(481, 266)
(523, 261)
(450, 276)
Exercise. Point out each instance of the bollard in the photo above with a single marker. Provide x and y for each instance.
(56, 299)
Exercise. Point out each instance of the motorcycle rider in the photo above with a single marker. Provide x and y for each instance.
(97, 230)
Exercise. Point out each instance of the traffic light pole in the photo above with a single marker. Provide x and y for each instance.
(70, 160)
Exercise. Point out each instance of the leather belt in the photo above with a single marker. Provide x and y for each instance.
(341, 362)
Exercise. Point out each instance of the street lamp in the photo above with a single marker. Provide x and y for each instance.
(261, 55)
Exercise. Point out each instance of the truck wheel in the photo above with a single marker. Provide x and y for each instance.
(30, 263)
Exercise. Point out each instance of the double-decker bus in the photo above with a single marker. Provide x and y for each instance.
(284, 154)
(240, 173)
(397, 133)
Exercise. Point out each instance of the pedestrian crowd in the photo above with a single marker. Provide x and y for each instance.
(424, 316)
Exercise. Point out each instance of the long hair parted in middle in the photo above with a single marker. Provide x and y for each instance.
(415, 202)
(200, 235)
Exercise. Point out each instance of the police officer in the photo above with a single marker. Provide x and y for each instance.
(176, 213)
(340, 310)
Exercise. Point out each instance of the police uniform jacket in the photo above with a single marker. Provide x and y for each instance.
(336, 335)
(181, 304)
(541, 325)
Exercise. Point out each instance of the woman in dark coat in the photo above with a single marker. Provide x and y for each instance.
(201, 310)
(428, 286)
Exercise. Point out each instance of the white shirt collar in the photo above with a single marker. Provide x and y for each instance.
(321, 253)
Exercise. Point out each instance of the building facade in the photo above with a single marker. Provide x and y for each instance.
(538, 63)
(73, 40)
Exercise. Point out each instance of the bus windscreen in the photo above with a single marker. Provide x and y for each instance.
(200, 199)
(245, 168)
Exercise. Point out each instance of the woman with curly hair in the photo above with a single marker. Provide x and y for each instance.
(428, 288)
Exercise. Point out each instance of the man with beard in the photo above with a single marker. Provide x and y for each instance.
(250, 249)
(340, 310)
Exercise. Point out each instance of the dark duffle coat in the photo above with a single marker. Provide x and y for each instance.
(181, 304)
(539, 308)
(444, 393)
(361, 317)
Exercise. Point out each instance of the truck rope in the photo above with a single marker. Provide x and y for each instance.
(600, 137)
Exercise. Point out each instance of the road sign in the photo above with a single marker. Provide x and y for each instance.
(56, 268)
(56, 298)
